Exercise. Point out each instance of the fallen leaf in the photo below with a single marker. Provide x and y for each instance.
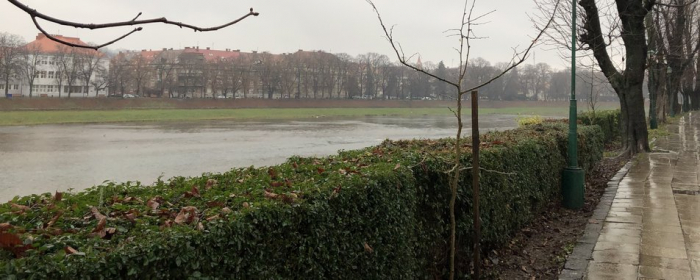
(295, 165)
(108, 233)
(273, 174)
(194, 192)
(226, 210)
(213, 218)
(246, 205)
(9, 240)
(288, 183)
(271, 195)
(523, 268)
(153, 204)
(186, 215)
(320, 170)
(131, 217)
(21, 208)
(368, 249)
(96, 213)
(343, 171)
(58, 196)
(277, 184)
(200, 226)
(398, 165)
(593, 221)
(211, 183)
(100, 225)
(70, 251)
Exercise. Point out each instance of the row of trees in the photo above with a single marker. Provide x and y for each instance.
(73, 69)
(173, 73)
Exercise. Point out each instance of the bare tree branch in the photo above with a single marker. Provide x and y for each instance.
(34, 14)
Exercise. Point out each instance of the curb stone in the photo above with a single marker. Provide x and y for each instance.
(577, 261)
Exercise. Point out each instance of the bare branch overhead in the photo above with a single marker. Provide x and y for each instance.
(34, 14)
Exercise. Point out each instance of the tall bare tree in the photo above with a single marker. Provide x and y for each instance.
(465, 35)
(10, 58)
(31, 56)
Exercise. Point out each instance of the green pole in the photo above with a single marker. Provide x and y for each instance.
(573, 176)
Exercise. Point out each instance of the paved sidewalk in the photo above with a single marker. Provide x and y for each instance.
(652, 228)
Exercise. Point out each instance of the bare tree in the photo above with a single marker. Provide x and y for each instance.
(465, 35)
(88, 63)
(101, 80)
(10, 58)
(31, 56)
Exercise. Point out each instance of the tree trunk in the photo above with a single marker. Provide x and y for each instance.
(628, 84)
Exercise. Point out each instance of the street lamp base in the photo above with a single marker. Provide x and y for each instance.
(572, 187)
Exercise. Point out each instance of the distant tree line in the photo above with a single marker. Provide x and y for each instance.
(316, 74)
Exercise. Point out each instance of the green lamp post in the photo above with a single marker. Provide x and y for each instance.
(573, 176)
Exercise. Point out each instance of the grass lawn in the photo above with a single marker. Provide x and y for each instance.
(8, 118)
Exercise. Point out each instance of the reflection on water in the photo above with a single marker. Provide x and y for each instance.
(47, 158)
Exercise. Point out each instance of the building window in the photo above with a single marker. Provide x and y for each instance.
(65, 88)
(85, 89)
(2, 86)
(49, 88)
(50, 74)
(42, 74)
(16, 87)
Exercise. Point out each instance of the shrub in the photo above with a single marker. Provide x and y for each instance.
(524, 121)
(375, 213)
(608, 120)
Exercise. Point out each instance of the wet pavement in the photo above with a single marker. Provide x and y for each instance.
(48, 158)
(652, 227)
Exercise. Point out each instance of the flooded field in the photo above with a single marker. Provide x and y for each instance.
(37, 159)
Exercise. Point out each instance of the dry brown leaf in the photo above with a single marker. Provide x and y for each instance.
(21, 208)
(4, 227)
(226, 210)
(246, 205)
(272, 172)
(320, 170)
(211, 183)
(213, 218)
(271, 195)
(70, 251)
(343, 171)
(100, 225)
(295, 165)
(277, 184)
(398, 165)
(200, 226)
(153, 204)
(368, 249)
(58, 196)
(131, 217)
(96, 213)
(186, 215)
(288, 183)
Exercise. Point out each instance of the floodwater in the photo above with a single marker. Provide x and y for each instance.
(48, 158)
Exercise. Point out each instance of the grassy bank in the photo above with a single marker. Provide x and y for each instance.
(62, 117)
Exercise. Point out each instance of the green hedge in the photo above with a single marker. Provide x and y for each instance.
(376, 213)
(608, 120)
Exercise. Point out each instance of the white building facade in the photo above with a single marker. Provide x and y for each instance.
(60, 70)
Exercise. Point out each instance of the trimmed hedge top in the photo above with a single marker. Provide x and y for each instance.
(374, 213)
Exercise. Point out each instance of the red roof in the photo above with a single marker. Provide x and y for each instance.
(47, 45)
(214, 55)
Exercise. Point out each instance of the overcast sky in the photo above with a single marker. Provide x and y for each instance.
(338, 26)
